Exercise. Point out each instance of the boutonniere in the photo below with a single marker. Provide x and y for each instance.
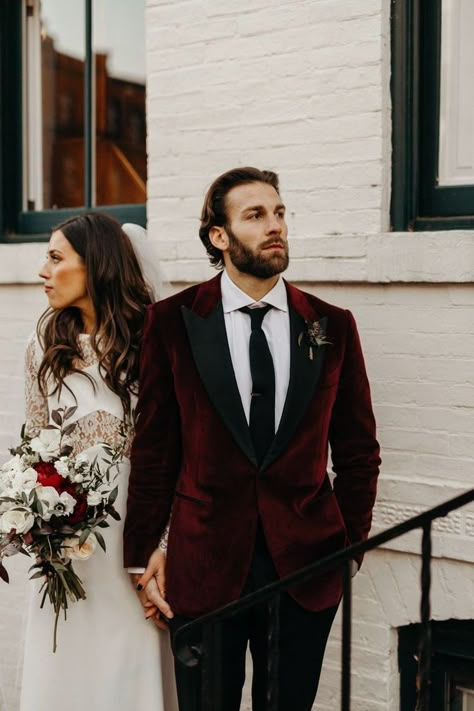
(313, 337)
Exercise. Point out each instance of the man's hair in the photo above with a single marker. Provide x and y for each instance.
(214, 208)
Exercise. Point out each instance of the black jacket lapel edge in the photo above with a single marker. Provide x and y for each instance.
(304, 377)
(210, 349)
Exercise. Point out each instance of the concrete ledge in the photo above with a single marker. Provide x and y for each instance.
(415, 257)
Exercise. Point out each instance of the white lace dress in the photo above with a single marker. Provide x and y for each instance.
(108, 656)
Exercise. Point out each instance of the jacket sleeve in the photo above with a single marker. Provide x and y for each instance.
(352, 437)
(156, 448)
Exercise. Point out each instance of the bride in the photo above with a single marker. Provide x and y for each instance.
(86, 353)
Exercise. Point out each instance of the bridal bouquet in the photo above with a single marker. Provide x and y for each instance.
(52, 506)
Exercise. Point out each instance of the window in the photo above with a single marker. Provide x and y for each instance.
(433, 114)
(72, 112)
(452, 666)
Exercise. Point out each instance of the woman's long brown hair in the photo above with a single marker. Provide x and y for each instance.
(119, 295)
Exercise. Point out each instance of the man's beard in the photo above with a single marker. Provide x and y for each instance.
(263, 265)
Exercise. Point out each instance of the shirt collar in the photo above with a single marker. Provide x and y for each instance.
(234, 298)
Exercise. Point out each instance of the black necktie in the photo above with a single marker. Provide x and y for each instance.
(262, 404)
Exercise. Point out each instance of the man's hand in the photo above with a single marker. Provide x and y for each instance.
(151, 589)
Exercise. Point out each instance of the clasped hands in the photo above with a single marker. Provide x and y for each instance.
(151, 589)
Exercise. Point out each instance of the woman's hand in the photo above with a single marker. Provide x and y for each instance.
(151, 589)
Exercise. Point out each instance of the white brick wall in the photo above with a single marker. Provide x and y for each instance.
(294, 86)
(19, 309)
(302, 87)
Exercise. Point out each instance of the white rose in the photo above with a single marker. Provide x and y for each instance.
(49, 497)
(78, 478)
(47, 444)
(24, 481)
(71, 548)
(6, 506)
(13, 465)
(20, 520)
(62, 466)
(94, 498)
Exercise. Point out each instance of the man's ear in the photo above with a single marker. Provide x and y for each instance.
(219, 238)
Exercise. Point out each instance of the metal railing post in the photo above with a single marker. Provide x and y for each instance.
(211, 652)
(424, 659)
(273, 658)
(211, 676)
(346, 636)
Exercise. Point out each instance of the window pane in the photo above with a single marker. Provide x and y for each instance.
(462, 698)
(53, 101)
(55, 105)
(456, 140)
(120, 131)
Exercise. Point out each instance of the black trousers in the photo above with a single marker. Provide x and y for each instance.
(302, 642)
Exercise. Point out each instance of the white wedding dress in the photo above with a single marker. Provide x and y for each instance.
(108, 656)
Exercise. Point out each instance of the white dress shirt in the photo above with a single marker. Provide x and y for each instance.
(276, 326)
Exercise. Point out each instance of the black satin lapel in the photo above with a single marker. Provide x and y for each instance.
(210, 349)
(304, 377)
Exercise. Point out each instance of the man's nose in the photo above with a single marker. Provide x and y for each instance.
(274, 224)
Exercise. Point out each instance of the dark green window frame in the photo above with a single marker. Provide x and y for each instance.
(418, 202)
(452, 656)
(17, 225)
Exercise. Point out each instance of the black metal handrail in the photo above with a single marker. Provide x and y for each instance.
(208, 653)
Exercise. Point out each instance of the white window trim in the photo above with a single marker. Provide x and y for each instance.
(33, 108)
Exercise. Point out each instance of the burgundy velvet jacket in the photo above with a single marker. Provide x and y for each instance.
(193, 456)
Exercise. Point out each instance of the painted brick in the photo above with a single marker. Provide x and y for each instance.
(303, 88)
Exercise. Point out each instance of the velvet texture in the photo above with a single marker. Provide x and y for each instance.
(193, 456)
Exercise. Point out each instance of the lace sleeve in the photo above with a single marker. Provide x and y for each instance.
(163, 544)
(36, 415)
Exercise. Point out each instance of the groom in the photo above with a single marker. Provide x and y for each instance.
(245, 383)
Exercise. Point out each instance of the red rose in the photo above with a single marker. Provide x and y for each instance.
(48, 476)
(80, 507)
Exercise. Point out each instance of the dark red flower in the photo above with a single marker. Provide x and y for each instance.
(48, 476)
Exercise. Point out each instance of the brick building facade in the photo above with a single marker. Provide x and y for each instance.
(303, 87)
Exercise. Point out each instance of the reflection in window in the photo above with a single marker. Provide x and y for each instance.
(462, 699)
(55, 45)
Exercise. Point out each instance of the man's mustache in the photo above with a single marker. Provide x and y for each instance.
(268, 242)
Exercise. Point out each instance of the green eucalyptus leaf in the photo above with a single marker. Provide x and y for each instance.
(4, 573)
(45, 530)
(115, 514)
(70, 412)
(57, 417)
(67, 530)
(84, 536)
(100, 540)
(113, 496)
